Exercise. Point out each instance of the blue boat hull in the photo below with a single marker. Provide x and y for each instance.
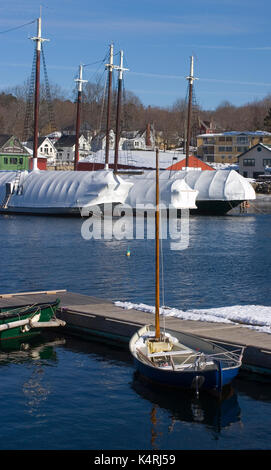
(210, 380)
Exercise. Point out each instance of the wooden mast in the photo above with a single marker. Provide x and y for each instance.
(157, 280)
(38, 40)
(120, 82)
(190, 79)
(110, 67)
(80, 81)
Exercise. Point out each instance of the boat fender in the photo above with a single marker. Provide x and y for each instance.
(197, 383)
(25, 328)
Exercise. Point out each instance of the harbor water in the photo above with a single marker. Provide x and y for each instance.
(65, 393)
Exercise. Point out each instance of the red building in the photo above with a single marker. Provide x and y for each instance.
(193, 162)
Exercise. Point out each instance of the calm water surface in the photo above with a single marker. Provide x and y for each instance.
(62, 393)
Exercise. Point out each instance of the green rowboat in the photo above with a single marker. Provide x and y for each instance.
(28, 320)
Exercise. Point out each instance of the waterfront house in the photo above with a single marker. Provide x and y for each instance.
(255, 161)
(225, 147)
(15, 156)
(46, 148)
(65, 147)
(139, 140)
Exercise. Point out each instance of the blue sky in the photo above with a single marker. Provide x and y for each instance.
(230, 40)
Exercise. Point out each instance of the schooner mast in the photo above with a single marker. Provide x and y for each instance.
(120, 84)
(80, 82)
(39, 41)
(110, 68)
(190, 79)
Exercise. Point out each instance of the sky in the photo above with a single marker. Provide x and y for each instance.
(229, 39)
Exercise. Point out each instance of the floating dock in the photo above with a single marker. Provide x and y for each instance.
(90, 317)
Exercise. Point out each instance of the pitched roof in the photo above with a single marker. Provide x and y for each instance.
(40, 141)
(4, 138)
(267, 147)
(66, 141)
(193, 162)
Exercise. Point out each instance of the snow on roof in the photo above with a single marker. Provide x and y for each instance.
(233, 133)
(138, 158)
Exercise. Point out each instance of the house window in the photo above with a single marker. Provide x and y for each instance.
(5, 160)
(13, 160)
(21, 160)
(242, 139)
(249, 162)
(221, 149)
(267, 162)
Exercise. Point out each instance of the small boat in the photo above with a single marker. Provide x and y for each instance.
(178, 359)
(28, 320)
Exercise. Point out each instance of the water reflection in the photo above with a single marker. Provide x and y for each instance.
(37, 352)
(182, 406)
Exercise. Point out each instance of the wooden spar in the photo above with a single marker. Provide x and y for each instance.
(110, 73)
(157, 281)
(120, 82)
(32, 324)
(38, 40)
(78, 115)
(191, 78)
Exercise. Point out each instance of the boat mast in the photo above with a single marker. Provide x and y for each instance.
(109, 67)
(157, 283)
(38, 40)
(190, 79)
(120, 82)
(80, 81)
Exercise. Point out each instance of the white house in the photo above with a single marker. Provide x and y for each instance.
(254, 161)
(46, 149)
(66, 147)
(129, 140)
(140, 140)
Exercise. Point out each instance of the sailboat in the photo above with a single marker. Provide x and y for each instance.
(179, 359)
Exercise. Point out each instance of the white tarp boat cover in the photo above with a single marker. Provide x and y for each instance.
(173, 192)
(63, 189)
(219, 185)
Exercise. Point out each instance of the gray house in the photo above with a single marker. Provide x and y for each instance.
(255, 160)
(66, 147)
